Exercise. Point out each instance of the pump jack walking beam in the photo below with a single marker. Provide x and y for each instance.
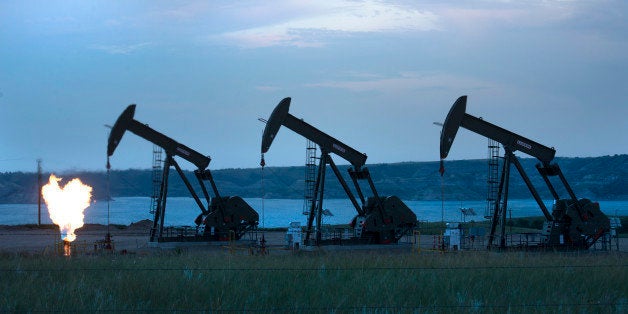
(280, 116)
(457, 117)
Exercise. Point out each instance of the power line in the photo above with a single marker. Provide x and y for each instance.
(278, 269)
(355, 308)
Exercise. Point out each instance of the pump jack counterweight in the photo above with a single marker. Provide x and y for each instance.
(220, 216)
(573, 223)
(379, 220)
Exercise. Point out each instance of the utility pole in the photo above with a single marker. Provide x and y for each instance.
(39, 190)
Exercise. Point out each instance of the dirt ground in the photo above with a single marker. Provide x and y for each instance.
(132, 239)
(91, 238)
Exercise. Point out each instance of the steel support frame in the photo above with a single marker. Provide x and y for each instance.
(159, 217)
(316, 208)
(501, 204)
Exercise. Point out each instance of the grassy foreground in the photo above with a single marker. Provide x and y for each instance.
(309, 282)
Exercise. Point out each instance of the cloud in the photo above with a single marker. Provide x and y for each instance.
(267, 88)
(186, 11)
(337, 17)
(477, 17)
(407, 81)
(121, 49)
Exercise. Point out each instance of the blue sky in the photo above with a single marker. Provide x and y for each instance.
(374, 74)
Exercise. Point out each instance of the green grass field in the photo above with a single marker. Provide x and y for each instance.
(324, 282)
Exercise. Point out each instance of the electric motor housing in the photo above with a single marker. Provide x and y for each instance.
(389, 227)
(235, 216)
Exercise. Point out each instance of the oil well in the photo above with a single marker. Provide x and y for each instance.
(573, 224)
(379, 219)
(220, 218)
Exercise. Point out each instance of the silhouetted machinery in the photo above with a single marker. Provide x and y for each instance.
(573, 224)
(380, 219)
(223, 217)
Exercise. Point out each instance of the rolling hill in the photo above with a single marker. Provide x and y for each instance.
(597, 178)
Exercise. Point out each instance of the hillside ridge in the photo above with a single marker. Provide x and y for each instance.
(596, 178)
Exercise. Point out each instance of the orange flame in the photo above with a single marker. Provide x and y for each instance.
(66, 205)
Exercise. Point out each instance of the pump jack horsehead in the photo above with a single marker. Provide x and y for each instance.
(380, 219)
(221, 217)
(573, 224)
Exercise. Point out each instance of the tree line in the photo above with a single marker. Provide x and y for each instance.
(597, 178)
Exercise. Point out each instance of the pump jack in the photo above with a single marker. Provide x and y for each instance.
(223, 216)
(573, 224)
(380, 219)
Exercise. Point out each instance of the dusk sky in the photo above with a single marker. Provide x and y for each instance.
(374, 74)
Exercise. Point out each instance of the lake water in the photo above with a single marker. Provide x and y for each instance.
(181, 211)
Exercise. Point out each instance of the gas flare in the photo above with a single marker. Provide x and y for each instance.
(66, 204)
